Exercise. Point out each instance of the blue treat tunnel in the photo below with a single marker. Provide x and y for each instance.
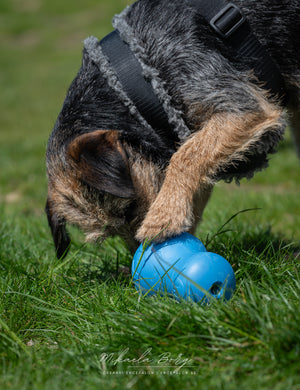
(181, 267)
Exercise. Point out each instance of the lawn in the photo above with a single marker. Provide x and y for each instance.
(78, 323)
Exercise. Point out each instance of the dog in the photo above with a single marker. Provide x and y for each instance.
(116, 170)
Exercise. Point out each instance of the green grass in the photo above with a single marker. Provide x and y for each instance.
(59, 319)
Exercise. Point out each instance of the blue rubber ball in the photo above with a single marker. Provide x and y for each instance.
(181, 267)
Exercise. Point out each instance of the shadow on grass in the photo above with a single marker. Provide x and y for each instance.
(262, 241)
(110, 274)
(249, 250)
(106, 270)
(259, 253)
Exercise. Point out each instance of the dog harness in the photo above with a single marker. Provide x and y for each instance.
(146, 97)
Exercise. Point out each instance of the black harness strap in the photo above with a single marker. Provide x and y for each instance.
(136, 86)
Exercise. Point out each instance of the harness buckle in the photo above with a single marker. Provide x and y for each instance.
(228, 20)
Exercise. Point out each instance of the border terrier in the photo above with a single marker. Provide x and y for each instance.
(182, 94)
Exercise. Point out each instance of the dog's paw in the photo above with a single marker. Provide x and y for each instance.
(162, 223)
(152, 231)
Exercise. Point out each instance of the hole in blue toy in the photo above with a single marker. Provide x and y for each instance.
(215, 288)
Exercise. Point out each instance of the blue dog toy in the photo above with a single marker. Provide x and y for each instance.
(181, 267)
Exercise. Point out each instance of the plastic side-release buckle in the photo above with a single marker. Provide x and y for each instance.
(228, 20)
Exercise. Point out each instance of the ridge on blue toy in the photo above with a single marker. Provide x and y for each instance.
(181, 267)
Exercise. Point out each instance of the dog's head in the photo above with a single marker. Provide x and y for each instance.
(99, 184)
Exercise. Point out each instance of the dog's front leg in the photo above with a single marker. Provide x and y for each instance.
(224, 138)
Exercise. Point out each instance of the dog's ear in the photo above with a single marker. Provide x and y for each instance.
(102, 163)
(59, 232)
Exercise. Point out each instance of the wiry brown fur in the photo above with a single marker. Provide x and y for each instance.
(222, 139)
(102, 215)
